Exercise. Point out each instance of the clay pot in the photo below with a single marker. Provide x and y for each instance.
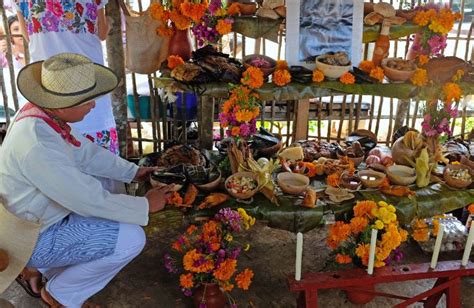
(209, 294)
(180, 44)
(247, 8)
(360, 297)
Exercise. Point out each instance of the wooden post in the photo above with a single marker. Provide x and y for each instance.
(115, 57)
(401, 112)
(302, 117)
(206, 122)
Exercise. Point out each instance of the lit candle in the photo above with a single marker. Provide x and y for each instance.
(439, 239)
(467, 249)
(373, 244)
(299, 255)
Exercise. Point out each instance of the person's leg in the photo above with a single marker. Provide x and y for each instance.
(75, 284)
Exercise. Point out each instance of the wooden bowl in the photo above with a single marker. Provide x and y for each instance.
(401, 175)
(268, 152)
(356, 160)
(267, 71)
(160, 179)
(394, 74)
(453, 182)
(211, 186)
(371, 178)
(246, 195)
(331, 71)
(350, 182)
(292, 183)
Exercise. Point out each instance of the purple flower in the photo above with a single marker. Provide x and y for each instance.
(50, 22)
(234, 254)
(91, 11)
(187, 292)
(169, 264)
(437, 44)
(234, 305)
(230, 218)
(221, 253)
(202, 305)
(244, 130)
(214, 6)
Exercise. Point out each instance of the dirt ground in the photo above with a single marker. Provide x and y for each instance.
(145, 282)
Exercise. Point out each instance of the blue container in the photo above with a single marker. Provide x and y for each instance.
(143, 106)
(190, 106)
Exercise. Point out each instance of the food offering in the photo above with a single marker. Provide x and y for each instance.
(398, 70)
(265, 63)
(333, 65)
(242, 185)
(458, 176)
(292, 183)
(354, 152)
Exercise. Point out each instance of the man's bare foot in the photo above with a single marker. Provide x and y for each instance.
(32, 281)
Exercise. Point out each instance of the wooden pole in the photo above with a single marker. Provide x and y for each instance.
(115, 57)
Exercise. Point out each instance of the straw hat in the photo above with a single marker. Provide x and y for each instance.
(65, 80)
(18, 239)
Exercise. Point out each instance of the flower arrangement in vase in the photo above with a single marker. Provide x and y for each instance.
(350, 242)
(206, 257)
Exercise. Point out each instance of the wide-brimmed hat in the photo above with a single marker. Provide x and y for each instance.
(18, 239)
(65, 80)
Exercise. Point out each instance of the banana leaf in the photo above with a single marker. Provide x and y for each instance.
(286, 216)
(371, 33)
(255, 27)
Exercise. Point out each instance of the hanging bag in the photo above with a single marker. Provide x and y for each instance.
(145, 49)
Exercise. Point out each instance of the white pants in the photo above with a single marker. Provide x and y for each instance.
(73, 285)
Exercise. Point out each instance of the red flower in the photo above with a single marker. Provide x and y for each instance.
(90, 26)
(99, 135)
(79, 9)
(36, 25)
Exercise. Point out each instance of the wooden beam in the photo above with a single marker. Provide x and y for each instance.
(115, 57)
(302, 117)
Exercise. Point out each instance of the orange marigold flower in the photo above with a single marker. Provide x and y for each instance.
(338, 232)
(235, 131)
(347, 78)
(176, 246)
(175, 199)
(224, 26)
(358, 224)
(420, 78)
(225, 270)
(191, 229)
(422, 18)
(180, 21)
(343, 259)
(452, 92)
(281, 77)
(244, 279)
(164, 31)
(244, 115)
(186, 280)
(364, 208)
(423, 59)
(195, 11)
(174, 61)
(281, 65)
(227, 287)
(157, 11)
(318, 76)
(377, 73)
(334, 179)
(252, 77)
(234, 9)
(362, 251)
(420, 231)
(458, 75)
(470, 208)
(366, 66)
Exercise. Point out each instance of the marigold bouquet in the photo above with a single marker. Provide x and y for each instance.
(239, 113)
(208, 253)
(351, 241)
(437, 21)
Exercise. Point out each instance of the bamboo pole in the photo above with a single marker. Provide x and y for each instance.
(116, 62)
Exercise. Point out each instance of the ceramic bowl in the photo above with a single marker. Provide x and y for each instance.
(350, 182)
(394, 74)
(160, 179)
(247, 8)
(331, 71)
(246, 195)
(292, 183)
(401, 175)
(356, 160)
(453, 182)
(371, 178)
(267, 71)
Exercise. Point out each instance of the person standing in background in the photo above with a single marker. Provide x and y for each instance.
(59, 26)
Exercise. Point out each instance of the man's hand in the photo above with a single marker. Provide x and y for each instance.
(143, 173)
(157, 198)
(3, 46)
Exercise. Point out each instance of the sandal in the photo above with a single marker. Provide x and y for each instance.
(24, 281)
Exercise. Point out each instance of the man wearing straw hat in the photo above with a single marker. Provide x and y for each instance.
(57, 217)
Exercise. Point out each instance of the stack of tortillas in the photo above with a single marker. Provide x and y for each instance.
(383, 12)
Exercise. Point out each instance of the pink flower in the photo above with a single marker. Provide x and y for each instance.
(113, 134)
(54, 7)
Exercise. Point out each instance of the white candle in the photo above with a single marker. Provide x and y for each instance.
(373, 244)
(439, 239)
(467, 249)
(299, 255)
